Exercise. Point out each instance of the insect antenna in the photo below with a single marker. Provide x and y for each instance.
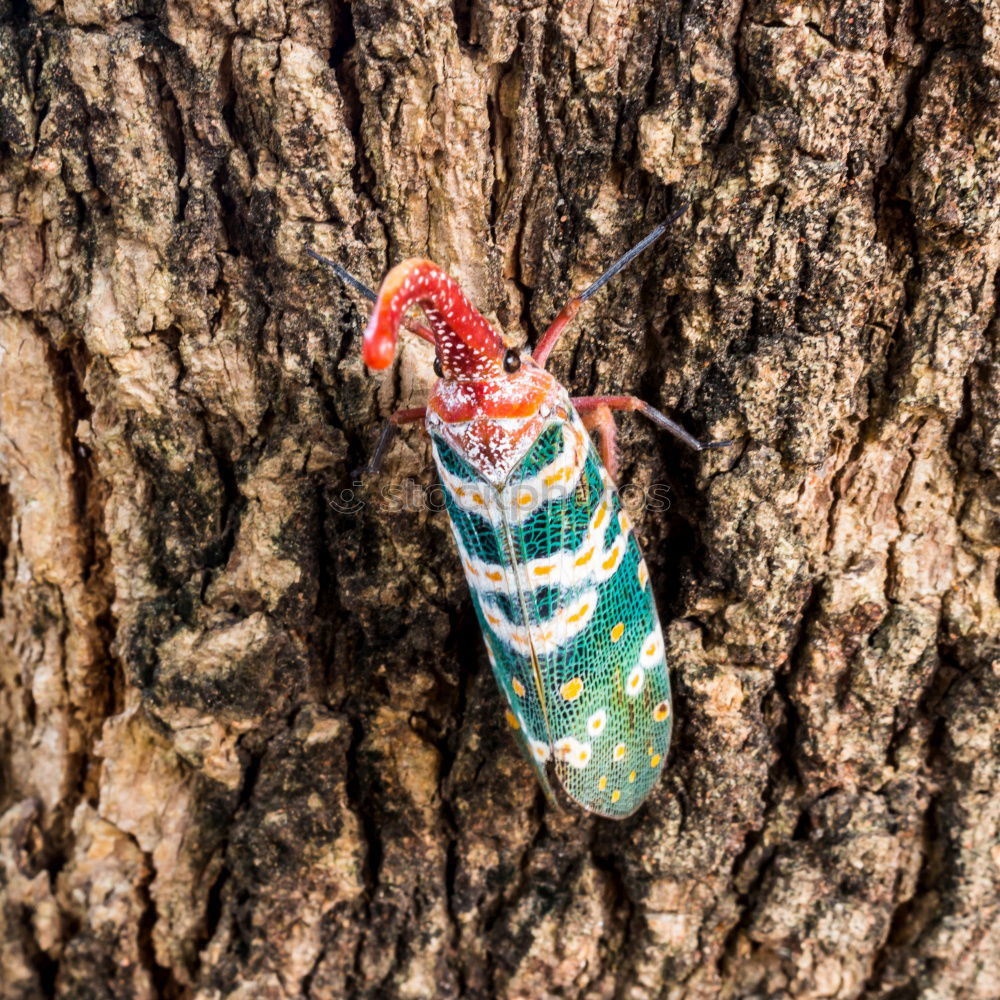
(345, 276)
(568, 311)
(630, 255)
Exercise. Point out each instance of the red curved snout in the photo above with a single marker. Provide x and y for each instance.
(467, 346)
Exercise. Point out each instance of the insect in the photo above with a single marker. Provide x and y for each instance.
(559, 585)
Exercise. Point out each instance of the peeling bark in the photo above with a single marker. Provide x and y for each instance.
(250, 743)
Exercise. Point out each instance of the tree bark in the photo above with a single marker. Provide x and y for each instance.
(251, 746)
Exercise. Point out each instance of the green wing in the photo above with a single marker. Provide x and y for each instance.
(595, 631)
(564, 601)
(472, 509)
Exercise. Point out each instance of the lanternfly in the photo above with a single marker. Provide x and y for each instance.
(557, 579)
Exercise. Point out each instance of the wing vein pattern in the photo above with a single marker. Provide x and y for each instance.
(564, 601)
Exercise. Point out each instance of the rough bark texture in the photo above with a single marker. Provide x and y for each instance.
(251, 746)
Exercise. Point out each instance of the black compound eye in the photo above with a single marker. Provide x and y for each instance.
(511, 361)
(438, 370)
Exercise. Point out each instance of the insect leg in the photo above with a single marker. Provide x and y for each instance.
(636, 405)
(568, 311)
(602, 420)
(359, 286)
(389, 429)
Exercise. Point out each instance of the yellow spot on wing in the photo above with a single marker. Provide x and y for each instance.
(631, 777)
(603, 782)
(616, 795)
(654, 760)
(518, 687)
(602, 513)
(512, 720)
(618, 631)
(573, 619)
(572, 689)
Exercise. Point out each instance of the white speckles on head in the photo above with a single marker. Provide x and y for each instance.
(491, 422)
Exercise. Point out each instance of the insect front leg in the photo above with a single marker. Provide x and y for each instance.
(585, 404)
(555, 330)
(389, 428)
(602, 420)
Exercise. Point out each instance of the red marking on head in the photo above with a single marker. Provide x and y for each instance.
(468, 347)
(518, 395)
(494, 420)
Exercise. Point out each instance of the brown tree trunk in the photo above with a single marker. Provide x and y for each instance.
(251, 746)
